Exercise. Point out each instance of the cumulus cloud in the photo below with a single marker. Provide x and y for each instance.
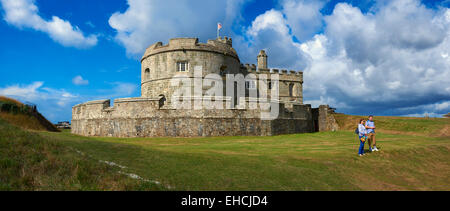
(146, 22)
(432, 110)
(384, 61)
(270, 31)
(25, 14)
(392, 60)
(304, 17)
(36, 92)
(78, 80)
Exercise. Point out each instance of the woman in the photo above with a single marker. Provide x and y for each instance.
(362, 136)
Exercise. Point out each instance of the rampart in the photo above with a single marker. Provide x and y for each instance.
(144, 117)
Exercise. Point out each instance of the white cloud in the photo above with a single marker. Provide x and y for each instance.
(270, 31)
(271, 19)
(27, 92)
(397, 59)
(78, 80)
(117, 90)
(90, 24)
(393, 57)
(147, 22)
(303, 17)
(123, 89)
(36, 93)
(25, 14)
(54, 104)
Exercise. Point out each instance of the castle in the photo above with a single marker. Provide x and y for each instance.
(154, 114)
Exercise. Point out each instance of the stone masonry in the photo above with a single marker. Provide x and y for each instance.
(152, 115)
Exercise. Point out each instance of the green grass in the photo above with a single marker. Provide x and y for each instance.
(29, 161)
(23, 116)
(320, 161)
(406, 125)
(410, 159)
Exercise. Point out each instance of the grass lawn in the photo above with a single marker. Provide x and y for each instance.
(410, 159)
(319, 161)
(29, 161)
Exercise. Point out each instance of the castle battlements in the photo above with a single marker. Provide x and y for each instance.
(253, 69)
(226, 40)
(220, 45)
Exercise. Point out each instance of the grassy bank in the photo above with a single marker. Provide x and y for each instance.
(29, 161)
(24, 116)
(435, 127)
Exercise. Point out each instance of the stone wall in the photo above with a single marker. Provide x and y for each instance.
(143, 117)
(286, 79)
(323, 119)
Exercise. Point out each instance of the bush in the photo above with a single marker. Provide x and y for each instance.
(15, 109)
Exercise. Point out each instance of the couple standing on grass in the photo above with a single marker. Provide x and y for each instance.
(366, 131)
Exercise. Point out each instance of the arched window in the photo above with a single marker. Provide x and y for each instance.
(223, 70)
(147, 73)
(291, 90)
(162, 100)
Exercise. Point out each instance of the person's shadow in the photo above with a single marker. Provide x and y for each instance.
(368, 151)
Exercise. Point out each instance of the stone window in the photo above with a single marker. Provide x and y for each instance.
(291, 90)
(162, 100)
(223, 70)
(269, 86)
(182, 66)
(147, 73)
(251, 84)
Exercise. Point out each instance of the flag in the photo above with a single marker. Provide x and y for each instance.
(219, 26)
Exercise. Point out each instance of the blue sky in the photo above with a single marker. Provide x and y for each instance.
(362, 57)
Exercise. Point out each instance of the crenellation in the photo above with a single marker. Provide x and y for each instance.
(183, 42)
(226, 40)
(264, 71)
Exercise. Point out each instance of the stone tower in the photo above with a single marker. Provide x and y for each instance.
(179, 57)
(262, 60)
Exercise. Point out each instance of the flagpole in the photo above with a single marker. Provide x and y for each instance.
(218, 30)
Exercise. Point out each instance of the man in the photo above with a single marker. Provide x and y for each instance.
(370, 126)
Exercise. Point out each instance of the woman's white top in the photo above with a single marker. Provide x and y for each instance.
(362, 130)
